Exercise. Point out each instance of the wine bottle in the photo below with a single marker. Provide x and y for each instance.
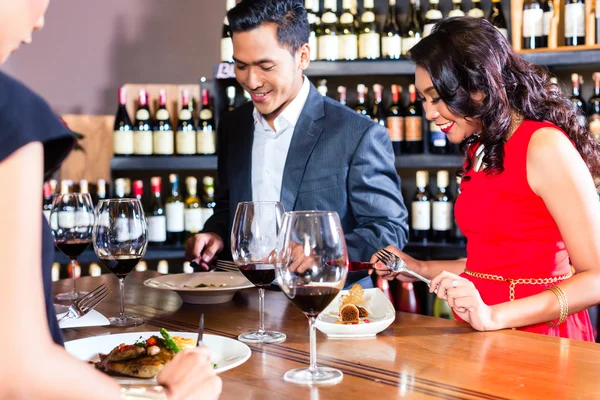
(314, 22)
(123, 129)
(574, 22)
(328, 39)
(533, 24)
(142, 127)
(369, 39)
(577, 100)
(322, 87)
(458, 235)
(342, 94)
(175, 213)
(84, 186)
(206, 143)
(94, 270)
(407, 300)
(186, 134)
(230, 98)
(194, 221)
(226, 42)
(348, 37)
(548, 14)
(48, 199)
(361, 106)
(456, 9)
(162, 267)
(421, 209)
(379, 116)
(101, 191)
(497, 18)
(413, 139)
(414, 32)
(476, 11)
(121, 191)
(395, 119)
(391, 38)
(442, 207)
(432, 16)
(438, 143)
(164, 138)
(138, 190)
(157, 220)
(208, 198)
(594, 108)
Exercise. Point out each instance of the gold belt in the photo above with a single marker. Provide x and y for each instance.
(520, 281)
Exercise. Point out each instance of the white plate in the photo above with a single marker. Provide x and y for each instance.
(226, 353)
(381, 315)
(227, 283)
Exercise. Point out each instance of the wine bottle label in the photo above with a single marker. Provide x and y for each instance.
(348, 47)
(547, 21)
(157, 229)
(347, 19)
(414, 129)
(54, 221)
(408, 43)
(574, 20)
(66, 219)
(432, 15)
(329, 18)
(312, 43)
(437, 137)
(421, 215)
(205, 114)
(206, 141)
(162, 114)
(123, 142)
(367, 17)
(83, 219)
(47, 215)
(533, 22)
(186, 142)
(582, 120)
(391, 46)
(143, 142)
(193, 220)
(142, 114)
(396, 128)
(369, 45)
(185, 115)
(104, 220)
(164, 142)
(442, 216)
(226, 50)
(427, 28)
(595, 126)
(207, 213)
(329, 46)
(503, 31)
(122, 229)
(175, 217)
(476, 13)
(456, 13)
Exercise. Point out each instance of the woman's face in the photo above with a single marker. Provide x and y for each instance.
(454, 126)
(18, 20)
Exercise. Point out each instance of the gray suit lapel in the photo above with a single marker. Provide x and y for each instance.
(307, 132)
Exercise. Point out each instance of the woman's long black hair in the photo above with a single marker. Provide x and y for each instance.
(465, 55)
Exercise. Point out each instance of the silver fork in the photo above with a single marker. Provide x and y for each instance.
(228, 266)
(396, 264)
(85, 304)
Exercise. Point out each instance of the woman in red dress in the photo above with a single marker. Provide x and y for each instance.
(528, 204)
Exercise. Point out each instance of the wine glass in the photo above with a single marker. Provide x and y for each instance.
(311, 267)
(72, 220)
(253, 242)
(120, 238)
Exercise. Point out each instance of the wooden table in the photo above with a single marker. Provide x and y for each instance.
(417, 357)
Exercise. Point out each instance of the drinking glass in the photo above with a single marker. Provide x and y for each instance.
(253, 242)
(72, 220)
(311, 267)
(120, 238)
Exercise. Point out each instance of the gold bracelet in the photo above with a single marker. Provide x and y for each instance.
(563, 303)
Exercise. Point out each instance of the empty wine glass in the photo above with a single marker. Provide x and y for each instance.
(120, 238)
(72, 220)
(311, 268)
(253, 242)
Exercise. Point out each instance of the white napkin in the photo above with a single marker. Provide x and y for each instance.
(93, 318)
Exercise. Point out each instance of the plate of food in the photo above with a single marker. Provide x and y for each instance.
(202, 287)
(138, 357)
(357, 313)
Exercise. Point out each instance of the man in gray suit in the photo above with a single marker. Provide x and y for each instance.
(291, 144)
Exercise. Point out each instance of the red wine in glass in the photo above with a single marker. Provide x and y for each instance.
(261, 275)
(311, 300)
(121, 265)
(72, 248)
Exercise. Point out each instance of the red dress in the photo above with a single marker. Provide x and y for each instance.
(511, 233)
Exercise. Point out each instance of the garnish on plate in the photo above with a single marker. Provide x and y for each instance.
(350, 312)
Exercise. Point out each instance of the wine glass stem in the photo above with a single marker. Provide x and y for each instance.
(261, 310)
(73, 273)
(122, 291)
(313, 344)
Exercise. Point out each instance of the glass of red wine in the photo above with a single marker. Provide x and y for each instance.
(72, 220)
(120, 238)
(311, 267)
(253, 242)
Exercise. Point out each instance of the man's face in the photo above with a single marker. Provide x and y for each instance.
(268, 71)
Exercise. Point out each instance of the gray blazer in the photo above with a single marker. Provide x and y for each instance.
(338, 161)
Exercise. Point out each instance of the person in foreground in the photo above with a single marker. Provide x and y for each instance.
(528, 204)
(33, 142)
(291, 144)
